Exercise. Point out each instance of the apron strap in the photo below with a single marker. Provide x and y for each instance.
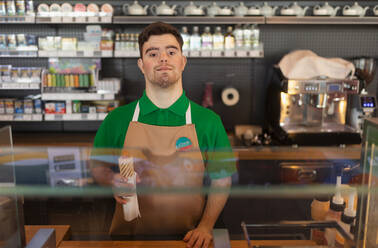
(188, 114)
(136, 112)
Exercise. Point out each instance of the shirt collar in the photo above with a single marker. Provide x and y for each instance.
(179, 107)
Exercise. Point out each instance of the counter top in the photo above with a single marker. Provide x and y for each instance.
(245, 153)
(62, 232)
(174, 244)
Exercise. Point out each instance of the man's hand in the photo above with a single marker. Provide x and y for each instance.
(200, 237)
(121, 182)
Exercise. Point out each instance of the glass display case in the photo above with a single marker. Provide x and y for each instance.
(276, 196)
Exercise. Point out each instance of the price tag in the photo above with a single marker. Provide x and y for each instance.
(229, 53)
(6, 117)
(216, 53)
(101, 116)
(84, 116)
(80, 19)
(58, 117)
(106, 19)
(67, 53)
(256, 53)
(67, 19)
(36, 117)
(88, 53)
(97, 53)
(194, 54)
(205, 53)
(241, 53)
(56, 19)
(106, 54)
(27, 117)
(92, 116)
(80, 53)
(93, 19)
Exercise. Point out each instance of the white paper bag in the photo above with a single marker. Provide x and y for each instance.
(131, 208)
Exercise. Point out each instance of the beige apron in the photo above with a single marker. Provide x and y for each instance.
(163, 166)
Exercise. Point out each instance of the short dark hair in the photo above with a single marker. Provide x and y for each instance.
(158, 28)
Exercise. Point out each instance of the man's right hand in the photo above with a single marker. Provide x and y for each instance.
(121, 182)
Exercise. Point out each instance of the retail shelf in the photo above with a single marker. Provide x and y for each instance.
(19, 86)
(73, 20)
(321, 20)
(76, 117)
(20, 117)
(188, 19)
(76, 54)
(17, 19)
(257, 53)
(19, 53)
(77, 96)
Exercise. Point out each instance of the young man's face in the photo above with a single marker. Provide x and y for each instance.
(162, 62)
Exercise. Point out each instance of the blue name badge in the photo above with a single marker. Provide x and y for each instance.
(183, 143)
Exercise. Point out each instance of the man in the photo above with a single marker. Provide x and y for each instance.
(162, 122)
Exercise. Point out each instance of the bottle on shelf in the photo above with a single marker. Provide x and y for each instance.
(195, 40)
(239, 38)
(255, 36)
(247, 35)
(117, 45)
(218, 39)
(229, 39)
(334, 214)
(319, 210)
(347, 219)
(207, 39)
(185, 38)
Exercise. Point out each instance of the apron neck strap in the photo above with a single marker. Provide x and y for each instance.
(188, 114)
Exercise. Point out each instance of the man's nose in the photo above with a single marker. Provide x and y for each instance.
(163, 57)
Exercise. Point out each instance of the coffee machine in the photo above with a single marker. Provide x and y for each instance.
(311, 111)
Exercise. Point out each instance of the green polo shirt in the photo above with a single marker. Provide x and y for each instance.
(212, 137)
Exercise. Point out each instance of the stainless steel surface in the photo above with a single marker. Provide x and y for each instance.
(305, 172)
(316, 105)
(44, 238)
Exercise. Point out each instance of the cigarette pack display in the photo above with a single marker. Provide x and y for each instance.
(28, 106)
(12, 43)
(21, 40)
(3, 41)
(2, 106)
(3, 9)
(15, 74)
(31, 40)
(9, 106)
(5, 73)
(19, 106)
(20, 7)
(11, 8)
(37, 106)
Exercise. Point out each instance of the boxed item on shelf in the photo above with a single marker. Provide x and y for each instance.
(37, 106)
(28, 106)
(18, 106)
(9, 106)
(2, 106)
(55, 107)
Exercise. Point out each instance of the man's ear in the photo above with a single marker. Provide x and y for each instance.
(140, 65)
(184, 60)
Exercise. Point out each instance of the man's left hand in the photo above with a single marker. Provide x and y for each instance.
(200, 237)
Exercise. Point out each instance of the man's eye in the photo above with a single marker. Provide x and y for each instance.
(152, 54)
(172, 52)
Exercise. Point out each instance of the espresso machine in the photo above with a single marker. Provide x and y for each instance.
(311, 111)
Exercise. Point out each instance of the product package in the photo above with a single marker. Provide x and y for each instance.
(18, 106)
(11, 8)
(28, 106)
(37, 106)
(20, 7)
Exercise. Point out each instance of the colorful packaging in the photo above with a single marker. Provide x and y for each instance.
(31, 40)
(3, 41)
(76, 106)
(18, 106)
(3, 8)
(60, 107)
(37, 106)
(29, 7)
(79, 7)
(20, 7)
(12, 43)
(107, 8)
(92, 7)
(9, 106)
(49, 107)
(84, 108)
(15, 74)
(28, 106)
(5, 73)
(11, 8)
(2, 106)
(21, 40)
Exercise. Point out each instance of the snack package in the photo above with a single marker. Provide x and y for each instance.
(9, 106)
(3, 8)
(15, 74)
(49, 107)
(29, 7)
(20, 7)
(37, 106)
(31, 40)
(18, 106)
(28, 106)
(12, 43)
(11, 8)
(3, 41)
(60, 107)
(21, 40)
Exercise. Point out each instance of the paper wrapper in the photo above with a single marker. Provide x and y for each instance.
(131, 208)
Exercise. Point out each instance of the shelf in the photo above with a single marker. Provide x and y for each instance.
(19, 53)
(321, 20)
(17, 19)
(76, 96)
(76, 54)
(75, 117)
(257, 53)
(188, 19)
(19, 86)
(20, 117)
(73, 20)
